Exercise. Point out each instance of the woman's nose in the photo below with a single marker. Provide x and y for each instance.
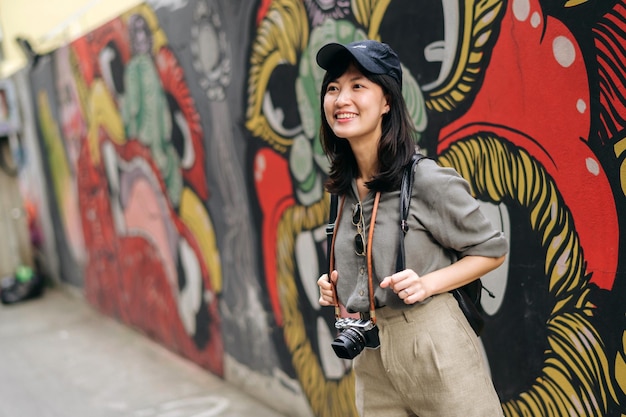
(342, 98)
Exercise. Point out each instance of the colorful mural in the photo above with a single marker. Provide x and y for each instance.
(181, 144)
(506, 90)
(128, 158)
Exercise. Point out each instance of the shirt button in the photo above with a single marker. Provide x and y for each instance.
(361, 293)
(362, 271)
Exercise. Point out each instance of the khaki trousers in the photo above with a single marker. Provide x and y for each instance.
(429, 364)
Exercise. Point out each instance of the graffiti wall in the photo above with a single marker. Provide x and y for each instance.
(180, 147)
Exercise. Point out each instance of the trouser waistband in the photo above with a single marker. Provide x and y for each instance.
(388, 313)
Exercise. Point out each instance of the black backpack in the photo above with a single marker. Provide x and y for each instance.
(468, 296)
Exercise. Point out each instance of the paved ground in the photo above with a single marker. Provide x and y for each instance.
(61, 358)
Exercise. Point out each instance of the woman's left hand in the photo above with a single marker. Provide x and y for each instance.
(408, 285)
(412, 288)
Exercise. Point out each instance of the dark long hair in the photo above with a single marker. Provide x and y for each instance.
(396, 146)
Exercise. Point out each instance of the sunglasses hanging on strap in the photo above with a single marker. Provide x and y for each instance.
(330, 234)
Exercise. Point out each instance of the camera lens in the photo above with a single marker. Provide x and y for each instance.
(349, 343)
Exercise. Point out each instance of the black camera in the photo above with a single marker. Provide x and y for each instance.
(355, 336)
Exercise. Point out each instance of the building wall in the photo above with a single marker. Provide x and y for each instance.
(185, 177)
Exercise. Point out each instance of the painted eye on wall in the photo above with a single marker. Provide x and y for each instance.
(445, 46)
(425, 37)
(112, 67)
(280, 106)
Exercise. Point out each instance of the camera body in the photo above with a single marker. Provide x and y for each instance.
(355, 335)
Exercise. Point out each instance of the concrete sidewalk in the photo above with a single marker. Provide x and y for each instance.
(61, 358)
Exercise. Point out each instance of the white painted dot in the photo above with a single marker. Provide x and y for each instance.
(592, 166)
(581, 106)
(563, 50)
(521, 9)
(535, 20)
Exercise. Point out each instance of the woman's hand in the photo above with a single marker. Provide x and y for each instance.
(408, 285)
(412, 288)
(327, 291)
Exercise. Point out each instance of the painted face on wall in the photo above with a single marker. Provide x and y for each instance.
(141, 185)
(284, 113)
(516, 143)
(141, 37)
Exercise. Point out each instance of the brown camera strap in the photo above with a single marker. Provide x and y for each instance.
(370, 238)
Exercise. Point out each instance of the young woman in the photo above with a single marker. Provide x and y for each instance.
(428, 363)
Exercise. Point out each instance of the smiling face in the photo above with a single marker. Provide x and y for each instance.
(354, 107)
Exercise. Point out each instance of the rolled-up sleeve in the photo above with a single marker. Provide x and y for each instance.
(452, 216)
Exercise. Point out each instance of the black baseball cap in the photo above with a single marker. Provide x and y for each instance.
(376, 57)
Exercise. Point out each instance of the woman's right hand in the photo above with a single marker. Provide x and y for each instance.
(327, 292)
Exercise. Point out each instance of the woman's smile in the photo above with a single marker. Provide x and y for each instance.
(346, 116)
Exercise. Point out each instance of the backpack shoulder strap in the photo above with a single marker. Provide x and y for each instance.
(406, 187)
(469, 305)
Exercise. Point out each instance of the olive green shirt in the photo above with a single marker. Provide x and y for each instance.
(445, 224)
